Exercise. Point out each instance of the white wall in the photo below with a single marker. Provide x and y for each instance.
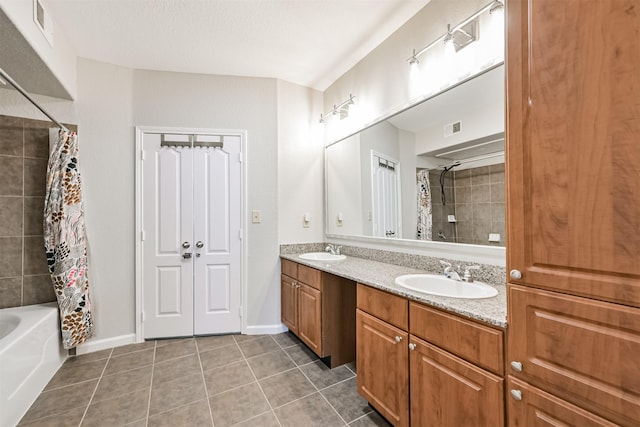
(106, 137)
(220, 102)
(300, 164)
(344, 187)
(12, 103)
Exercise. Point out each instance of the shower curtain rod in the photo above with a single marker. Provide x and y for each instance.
(6, 77)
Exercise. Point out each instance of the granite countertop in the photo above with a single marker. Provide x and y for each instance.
(382, 276)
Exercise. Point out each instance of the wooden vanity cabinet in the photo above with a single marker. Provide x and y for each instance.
(573, 212)
(420, 366)
(319, 308)
(449, 391)
(382, 353)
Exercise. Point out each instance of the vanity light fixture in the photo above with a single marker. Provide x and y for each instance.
(341, 109)
(462, 34)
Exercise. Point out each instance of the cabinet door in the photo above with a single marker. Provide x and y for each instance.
(531, 407)
(573, 124)
(310, 309)
(381, 363)
(581, 350)
(289, 303)
(448, 391)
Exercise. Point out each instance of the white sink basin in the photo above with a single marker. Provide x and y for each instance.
(322, 256)
(434, 284)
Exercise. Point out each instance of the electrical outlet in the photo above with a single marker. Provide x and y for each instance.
(256, 217)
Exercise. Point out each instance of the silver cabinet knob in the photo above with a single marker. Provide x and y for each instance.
(516, 394)
(412, 346)
(199, 245)
(515, 274)
(186, 245)
(398, 338)
(516, 366)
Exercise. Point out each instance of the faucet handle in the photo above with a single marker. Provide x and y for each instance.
(445, 263)
(338, 249)
(467, 272)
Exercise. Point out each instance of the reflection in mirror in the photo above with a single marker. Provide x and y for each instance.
(433, 172)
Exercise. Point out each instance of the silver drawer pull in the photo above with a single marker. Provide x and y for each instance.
(412, 346)
(516, 394)
(516, 366)
(398, 338)
(515, 274)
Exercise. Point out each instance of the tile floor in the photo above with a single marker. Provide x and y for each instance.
(264, 380)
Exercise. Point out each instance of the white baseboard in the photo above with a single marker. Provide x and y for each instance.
(97, 345)
(266, 329)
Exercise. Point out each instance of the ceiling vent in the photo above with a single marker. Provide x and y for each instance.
(452, 128)
(43, 21)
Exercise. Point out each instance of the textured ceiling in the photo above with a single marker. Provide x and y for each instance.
(308, 42)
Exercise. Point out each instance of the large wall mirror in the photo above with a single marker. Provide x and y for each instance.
(434, 172)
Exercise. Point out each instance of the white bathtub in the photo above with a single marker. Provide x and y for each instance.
(30, 354)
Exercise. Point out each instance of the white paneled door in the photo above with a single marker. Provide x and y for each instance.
(191, 243)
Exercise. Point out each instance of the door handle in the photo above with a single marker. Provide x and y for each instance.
(186, 255)
(186, 245)
(199, 245)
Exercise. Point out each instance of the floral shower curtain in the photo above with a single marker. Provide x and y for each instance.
(65, 240)
(424, 206)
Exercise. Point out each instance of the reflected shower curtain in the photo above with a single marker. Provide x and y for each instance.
(65, 240)
(423, 231)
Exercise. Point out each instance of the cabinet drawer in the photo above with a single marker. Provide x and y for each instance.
(472, 341)
(383, 305)
(581, 350)
(290, 268)
(309, 275)
(538, 408)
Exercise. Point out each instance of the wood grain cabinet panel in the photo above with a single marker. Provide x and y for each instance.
(536, 408)
(383, 305)
(289, 268)
(582, 350)
(476, 343)
(310, 310)
(382, 366)
(448, 391)
(289, 303)
(573, 181)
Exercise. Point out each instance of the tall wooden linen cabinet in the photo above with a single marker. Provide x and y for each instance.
(573, 251)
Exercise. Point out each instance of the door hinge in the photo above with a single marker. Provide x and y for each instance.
(142, 317)
(142, 235)
(240, 236)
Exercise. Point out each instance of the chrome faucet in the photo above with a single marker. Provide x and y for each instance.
(333, 249)
(449, 271)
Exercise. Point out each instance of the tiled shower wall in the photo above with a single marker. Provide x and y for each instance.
(476, 197)
(24, 150)
(480, 204)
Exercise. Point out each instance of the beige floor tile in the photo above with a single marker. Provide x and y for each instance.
(174, 369)
(73, 374)
(173, 394)
(263, 420)
(237, 405)
(129, 361)
(219, 357)
(346, 401)
(271, 363)
(258, 346)
(312, 411)
(111, 386)
(175, 349)
(118, 411)
(322, 376)
(60, 400)
(215, 341)
(372, 419)
(227, 377)
(301, 354)
(130, 348)
(70, 418)
(195, 414)
(286, 387)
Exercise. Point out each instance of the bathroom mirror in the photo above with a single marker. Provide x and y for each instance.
(433, 172)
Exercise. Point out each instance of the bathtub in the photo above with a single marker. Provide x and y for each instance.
(30, 354)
